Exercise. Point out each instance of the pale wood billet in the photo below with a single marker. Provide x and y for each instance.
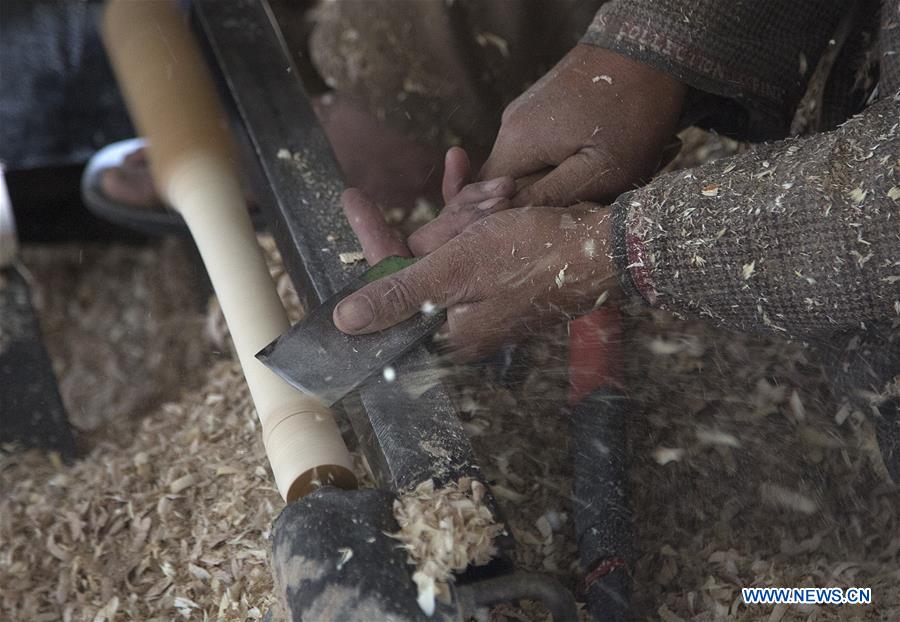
(172, 100)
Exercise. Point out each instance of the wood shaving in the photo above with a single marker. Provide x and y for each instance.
(560, 277)
(601, 299)
(748, 269)
(444, 531)
(733, 509)
(485, 39)
(351, 257)
(171, 522)
(665, 455)
(710, 190)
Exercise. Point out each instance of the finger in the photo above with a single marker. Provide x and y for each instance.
(473, 202)
(483, 190)
(435, 279)
(377, 238)
(450, 223)
(457, 169)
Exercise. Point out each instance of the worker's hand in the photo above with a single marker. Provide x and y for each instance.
(464, 203)
(593, 127)
(503, 277)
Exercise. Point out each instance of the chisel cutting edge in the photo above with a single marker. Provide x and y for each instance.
(317, 358)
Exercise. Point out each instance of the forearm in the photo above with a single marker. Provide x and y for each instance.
(800, 236)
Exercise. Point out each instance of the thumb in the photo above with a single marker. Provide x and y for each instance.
(429, 284)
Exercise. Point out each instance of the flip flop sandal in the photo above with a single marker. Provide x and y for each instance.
(157, 219)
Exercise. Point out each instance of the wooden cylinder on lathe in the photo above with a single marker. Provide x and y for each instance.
(173, 102)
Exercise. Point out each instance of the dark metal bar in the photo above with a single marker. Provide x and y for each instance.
(420, 436)
(31, 409)
(603, 519)
(301, 182)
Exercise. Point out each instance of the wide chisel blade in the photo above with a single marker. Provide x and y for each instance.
(317, 358)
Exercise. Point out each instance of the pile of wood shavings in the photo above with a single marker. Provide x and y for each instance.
(169, 521)
(748, 472)
(444, 530)
(175, 525)
(122, 324)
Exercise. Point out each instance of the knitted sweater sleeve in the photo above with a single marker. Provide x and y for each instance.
(800, 236)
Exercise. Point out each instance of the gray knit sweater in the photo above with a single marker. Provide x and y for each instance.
(800, 236)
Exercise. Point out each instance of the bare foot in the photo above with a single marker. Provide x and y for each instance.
(130, 183)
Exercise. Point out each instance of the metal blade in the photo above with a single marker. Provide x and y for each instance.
(317, 358)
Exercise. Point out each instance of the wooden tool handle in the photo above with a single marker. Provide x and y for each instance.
(172, 100)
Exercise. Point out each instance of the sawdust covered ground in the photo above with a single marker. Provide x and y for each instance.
(745, 470)
(167, 515)
(123, 325)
